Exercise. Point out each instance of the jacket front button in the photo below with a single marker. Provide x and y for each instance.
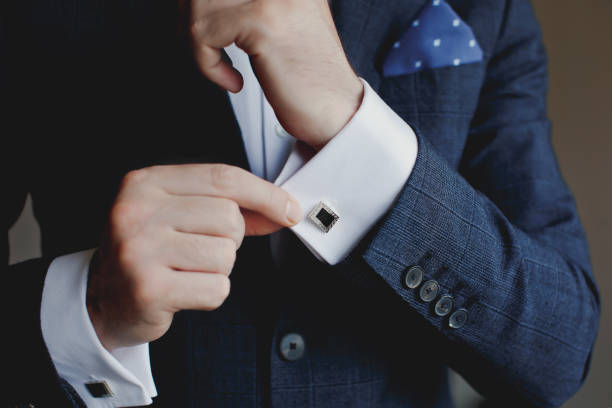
(292, 347)
(429, 291)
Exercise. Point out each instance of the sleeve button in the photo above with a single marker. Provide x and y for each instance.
(444, 305)
(414, 277)
(458, 318)
(429, 291)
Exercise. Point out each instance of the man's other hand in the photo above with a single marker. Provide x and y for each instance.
(296, 54)
(170, 244)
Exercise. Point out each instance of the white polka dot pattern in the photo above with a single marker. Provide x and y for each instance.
(437, 37)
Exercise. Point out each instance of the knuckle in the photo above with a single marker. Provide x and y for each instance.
(231, 210)
(221, 291)
(224, 256)
(130, 254)
(227, 254)
(264, 11)
(198, 27)
(203, 24)
(222, 176)
(259, 9)
(277, 201)
(143, 294)
(123, 213)
(276, 195)
(147, 287)
(237, 234)
(269, 19)
(234, 219)
(135, 177)
(224, 288)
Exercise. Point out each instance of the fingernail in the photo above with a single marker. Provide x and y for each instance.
(294, 211)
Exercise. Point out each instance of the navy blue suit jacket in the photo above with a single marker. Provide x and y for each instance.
(95, 88)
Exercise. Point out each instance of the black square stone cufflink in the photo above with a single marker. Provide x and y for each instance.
(323, 217)
(99, 389)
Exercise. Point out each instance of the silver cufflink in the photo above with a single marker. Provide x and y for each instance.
(323, 217)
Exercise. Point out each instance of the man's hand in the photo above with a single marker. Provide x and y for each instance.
(171, 242)
(296, 54)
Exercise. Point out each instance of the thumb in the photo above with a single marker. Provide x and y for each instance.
(257, 224)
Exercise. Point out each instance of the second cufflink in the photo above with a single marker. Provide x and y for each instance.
(323, 216)
(99, 389)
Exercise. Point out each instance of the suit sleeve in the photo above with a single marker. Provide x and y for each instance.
(501, 236)
(29, 374)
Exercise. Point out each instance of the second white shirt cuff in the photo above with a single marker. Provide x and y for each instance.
(75, 349)
(358, 174)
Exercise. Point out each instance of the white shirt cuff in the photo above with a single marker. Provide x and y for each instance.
(358, 174)
(75, 349)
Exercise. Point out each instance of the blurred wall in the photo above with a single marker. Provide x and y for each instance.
(578, 37)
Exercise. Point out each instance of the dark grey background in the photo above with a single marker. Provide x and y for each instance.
(578, 36)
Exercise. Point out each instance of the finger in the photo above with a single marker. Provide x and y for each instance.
(219, 27)
(214, 216)
(199, 253)
(221, 180)
(197, 291)
(216, 69)
(257, 224)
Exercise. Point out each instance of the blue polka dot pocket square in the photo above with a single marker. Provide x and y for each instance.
(438, 37)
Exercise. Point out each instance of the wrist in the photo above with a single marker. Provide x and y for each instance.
(92, 301)
(339, 111)
(96, 321)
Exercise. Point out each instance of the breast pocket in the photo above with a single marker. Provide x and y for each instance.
(450, 89)
(439, 102)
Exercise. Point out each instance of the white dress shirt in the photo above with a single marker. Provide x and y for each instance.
(358, 174)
